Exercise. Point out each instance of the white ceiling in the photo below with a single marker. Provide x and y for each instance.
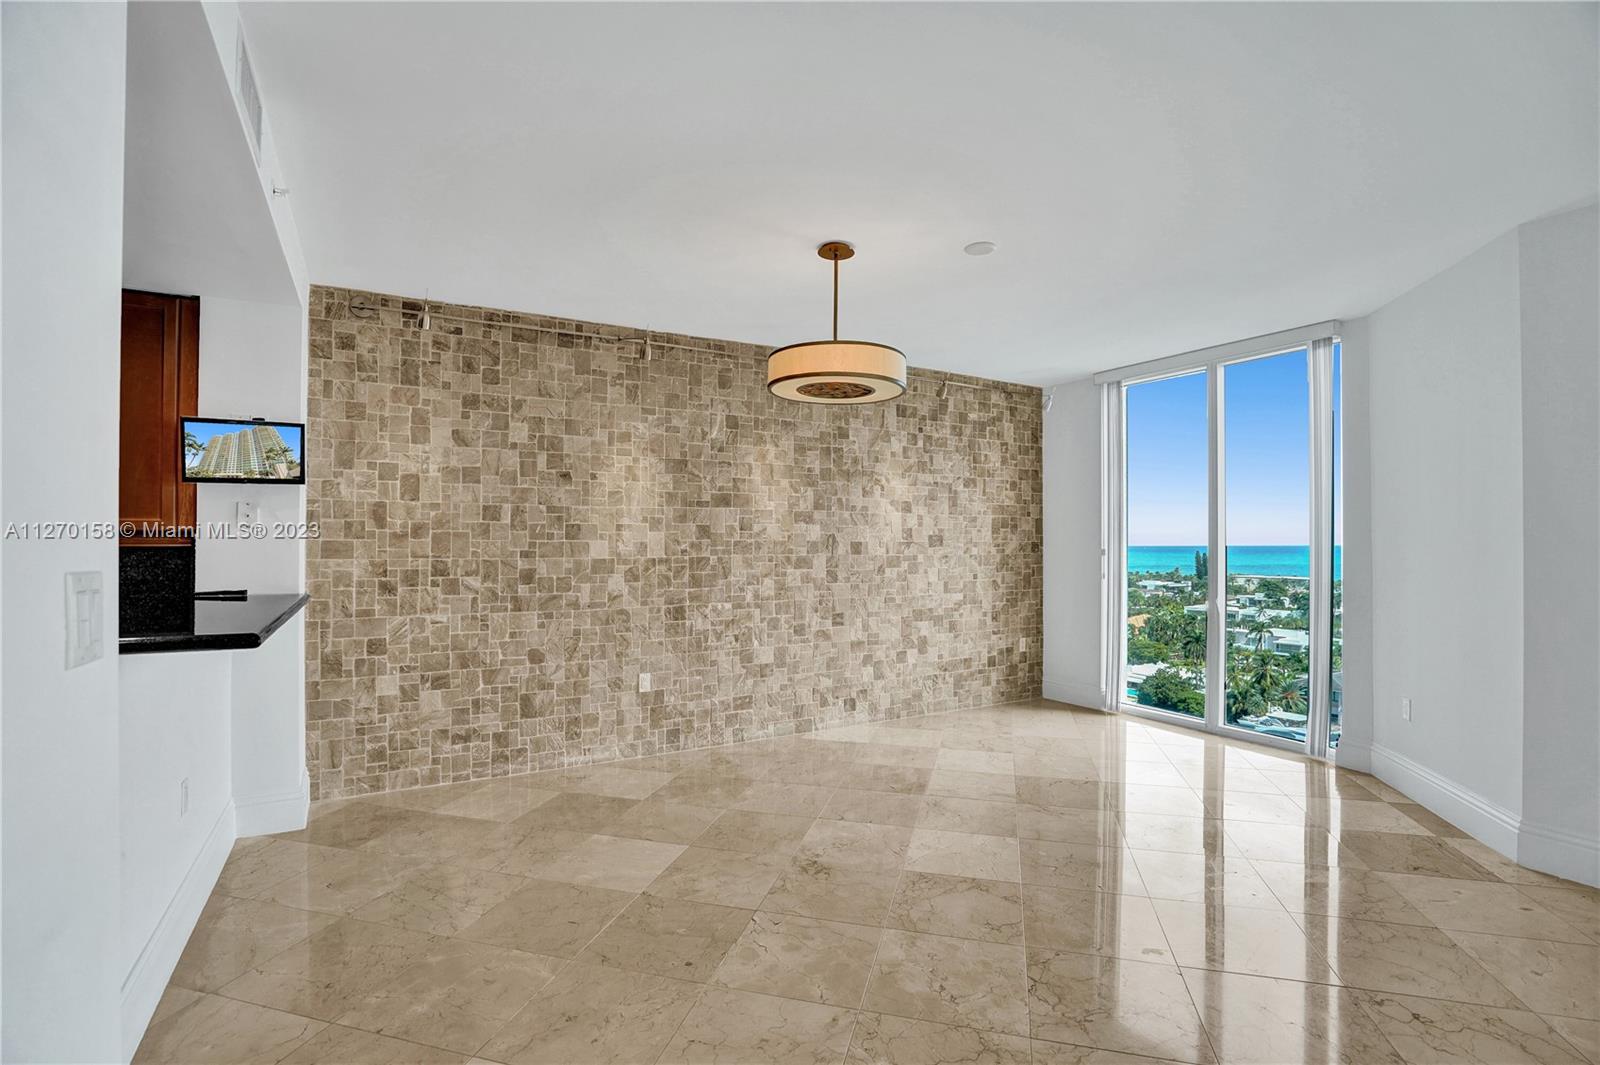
(1158, 177)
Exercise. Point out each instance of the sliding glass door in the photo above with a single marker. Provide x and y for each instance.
(1225, 523)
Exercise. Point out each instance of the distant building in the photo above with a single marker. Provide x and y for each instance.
(258, 451)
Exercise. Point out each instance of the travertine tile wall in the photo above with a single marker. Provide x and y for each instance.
(519, 514)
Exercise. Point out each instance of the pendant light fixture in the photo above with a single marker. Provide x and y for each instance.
(837, 371)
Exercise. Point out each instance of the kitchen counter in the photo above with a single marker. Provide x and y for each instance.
(220, 625)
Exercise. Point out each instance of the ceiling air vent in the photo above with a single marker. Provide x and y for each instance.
(249, 97)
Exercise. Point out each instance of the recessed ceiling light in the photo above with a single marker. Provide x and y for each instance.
(980, 247)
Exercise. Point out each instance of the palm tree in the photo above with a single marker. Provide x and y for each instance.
(1259, 629)
(192, 447)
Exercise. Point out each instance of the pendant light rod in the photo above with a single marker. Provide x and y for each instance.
(835, 250)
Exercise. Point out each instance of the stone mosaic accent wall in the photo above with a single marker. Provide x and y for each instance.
(519, 514)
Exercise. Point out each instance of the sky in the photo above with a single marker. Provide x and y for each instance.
(1267, 455)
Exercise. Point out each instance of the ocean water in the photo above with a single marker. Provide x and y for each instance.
(1260, 560)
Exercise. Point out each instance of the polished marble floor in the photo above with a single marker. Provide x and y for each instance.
(1013, 884)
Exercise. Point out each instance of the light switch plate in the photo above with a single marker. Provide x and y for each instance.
(245, 512)
(1405, 709)
(84, 624)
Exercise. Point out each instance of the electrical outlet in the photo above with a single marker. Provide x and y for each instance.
(645, 683)
(83, 612)
(245, 512)
(183, 797)
(1405, 709)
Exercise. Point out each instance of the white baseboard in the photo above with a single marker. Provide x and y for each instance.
(147, 980)
(1483, 819)
(1065, 691)
(262, 815)
(1560, 853)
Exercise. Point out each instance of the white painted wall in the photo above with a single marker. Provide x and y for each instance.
(1446, 438)
(252, 365)
(62, 217)
(1559, 259)
(1072, 563)
(176, 723)
(1355, 744)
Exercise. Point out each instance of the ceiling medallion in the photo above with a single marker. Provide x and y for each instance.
(837, 371)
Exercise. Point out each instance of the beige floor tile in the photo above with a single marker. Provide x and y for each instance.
(336, 1045)
(965, 784)
(613, 862)
(1250, 807)
(881, 848)
(705, 787)
(1558, 978)
(173, 999)
(964, 854)
(1583, 1036)
(215, 1030)
(664, 821)
(881, 1039)
(257, 863)
(434, 837)
(1300, 844)
(1048, 1053)
(455, 997)
(874, 807)
(332, 970)
(1429, 820)
(833, 892)
(724, 877)
(346, 824)
(1154, 799)
(962, 982)
(785, 797)
(1339, 891)
(727, 1027)
(1354, 815)
(1397, 852)
(756, 832)
(1254, 1020)
(1482, 906)
(1219, 881)
(595, 1015)
(576, 811)
(428, 799)
(234, 935)
(1405, 959)
(1063, 825)
(668, 937)
(801, 957)
(1127, 1006)
(616, 781)
(896, 778)
(441, 899)
(975, 761)
(1080, 867)
(947, 813)
(990, 910)
(1494, 865)
(1067, 792)
(1425, 1031)
(1092, 922)
(546, 917)
(339, 881)
(505, 799)
(533, 851)
(1188, 835)
(1579, 906)
(1239, 939)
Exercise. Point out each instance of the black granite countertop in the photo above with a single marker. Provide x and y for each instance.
(220, 625)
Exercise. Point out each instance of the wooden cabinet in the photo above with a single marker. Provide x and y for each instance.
(160, 384)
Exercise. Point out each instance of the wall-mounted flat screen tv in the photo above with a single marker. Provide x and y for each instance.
(239, 451)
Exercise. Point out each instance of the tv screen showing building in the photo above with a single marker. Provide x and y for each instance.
(242, 451)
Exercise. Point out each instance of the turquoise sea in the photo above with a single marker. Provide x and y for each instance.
(1259, 560)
